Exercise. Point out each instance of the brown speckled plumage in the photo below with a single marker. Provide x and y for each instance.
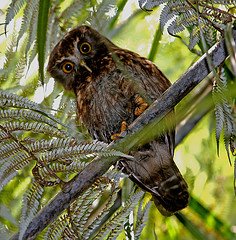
(107, 81)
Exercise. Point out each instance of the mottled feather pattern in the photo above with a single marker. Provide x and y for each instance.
(107, 81)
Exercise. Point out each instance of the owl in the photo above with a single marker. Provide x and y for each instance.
(112, 87)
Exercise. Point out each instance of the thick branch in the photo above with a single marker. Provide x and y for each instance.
(98, 167)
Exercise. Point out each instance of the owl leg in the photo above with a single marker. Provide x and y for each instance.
(123, 128)
(141, 105)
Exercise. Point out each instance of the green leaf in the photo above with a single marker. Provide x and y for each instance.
(155, 43)
(44, 6)
(193, 229)
(210, 220)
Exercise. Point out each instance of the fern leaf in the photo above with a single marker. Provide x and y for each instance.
(56, 229)
(29, 12)
(170, 11)
(219, 113)
(229, 127)
(82, 151)
(13, 9)
(98, 220)
(149, 5)
(31, 39)
(9, 168)
(23, 114)
(12, 100)
(3, 136)
(113, 226)
(224, 2)
(83, 210)
(10, 59)
(35, 127)
(186, 19)
(31, 205)
(141, 220)
(225, 121)
(33, 51)
(44, 145)
(8, 149)
(72, 11)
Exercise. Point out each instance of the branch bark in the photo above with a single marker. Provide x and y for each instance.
(156, 112)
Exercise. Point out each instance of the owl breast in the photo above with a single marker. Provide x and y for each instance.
(104, 102)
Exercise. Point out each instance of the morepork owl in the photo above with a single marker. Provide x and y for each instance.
(113, 86)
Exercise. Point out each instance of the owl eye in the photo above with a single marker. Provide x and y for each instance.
(67, 67)
(85, 48)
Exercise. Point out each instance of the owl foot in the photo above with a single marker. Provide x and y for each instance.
(123, 128)
(141, 105)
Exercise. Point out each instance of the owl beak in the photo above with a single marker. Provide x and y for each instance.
(83, 64)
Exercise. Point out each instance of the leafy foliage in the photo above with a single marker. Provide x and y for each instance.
(197, 17)
(46, 145)
(225, 122)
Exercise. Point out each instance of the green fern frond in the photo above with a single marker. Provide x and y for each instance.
(11, 165)
(20, 68)
(96, 223)
(80, 215)
(45, 145)
(211, 36)
(100, 16)
(31, 37)
(8, 149)
(225, 2)
(23, 114)
(10, 59)
(69, 234)
(56, 229)
(187, 19)
(148, 5)
(194, 16)
(68, 166)
(35, 127)
(30, 11)
(171, 9)
(219, 114)
(3, 136)
(32, 51)
(113, 226)
(53, 30)
(229, 127)
(82, 151)
(76, 11)
(13, 9)
(141, 219)
(31, 205)
(8, 99)
(225, 122)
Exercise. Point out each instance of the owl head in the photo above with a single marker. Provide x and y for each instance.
(77, 54)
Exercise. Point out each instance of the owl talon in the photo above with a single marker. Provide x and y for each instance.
(141, 105)
(123, 128)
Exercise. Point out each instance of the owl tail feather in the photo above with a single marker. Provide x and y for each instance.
(155, 171)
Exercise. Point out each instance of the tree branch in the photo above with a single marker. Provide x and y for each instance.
(98, 167)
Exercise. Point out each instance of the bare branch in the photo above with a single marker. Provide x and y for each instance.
(156, 111)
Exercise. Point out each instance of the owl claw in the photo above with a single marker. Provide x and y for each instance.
(123, 128)
(141, 105)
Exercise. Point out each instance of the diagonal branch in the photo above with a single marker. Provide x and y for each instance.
(156, 112)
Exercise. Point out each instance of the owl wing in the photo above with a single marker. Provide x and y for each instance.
(153, 168)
